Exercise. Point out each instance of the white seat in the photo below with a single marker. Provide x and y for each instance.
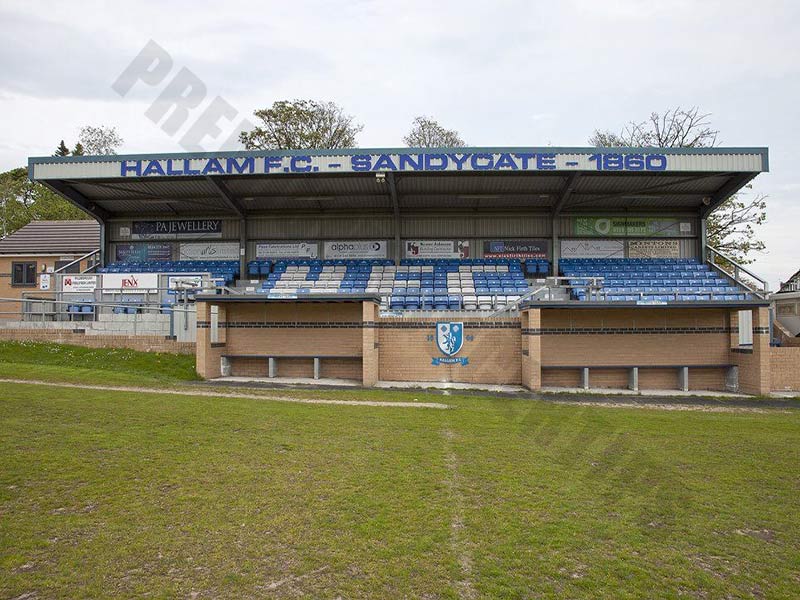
(485, 302)
(470, 302)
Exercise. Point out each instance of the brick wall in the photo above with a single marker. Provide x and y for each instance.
(785, 368)
(290, 330)
(142, 343)
(506, 350)
(492, 348)
(639, 337)
(754, 361)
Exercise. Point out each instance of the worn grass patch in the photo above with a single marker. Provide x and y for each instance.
(114, 494)
(108, 494)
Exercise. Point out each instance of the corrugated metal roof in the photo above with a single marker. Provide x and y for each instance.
(53, 237)
(684, 189)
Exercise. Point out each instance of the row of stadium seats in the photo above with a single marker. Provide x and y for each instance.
(659, 280)
(414, 281)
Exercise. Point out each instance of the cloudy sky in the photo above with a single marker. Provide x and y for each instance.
(513, 73)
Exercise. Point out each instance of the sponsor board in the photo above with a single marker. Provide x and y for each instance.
(437, 249)
(632, 227)
(143, 252)
(516, 249)
(177, 229)
(131, 282)
(209, 250)
(79, 283)
(356, 249)
(287, 250)
(654, 249)
(592, 249)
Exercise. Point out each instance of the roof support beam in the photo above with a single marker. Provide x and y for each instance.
(226, 196)
(78, 199)
(566, 192)
(733, 185)
(396, 208)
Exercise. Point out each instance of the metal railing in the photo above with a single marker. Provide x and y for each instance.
(712, 253)
(78, 260)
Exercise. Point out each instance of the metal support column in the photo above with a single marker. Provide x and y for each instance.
(703, 240)
(585, 378)
(242, 248)
(396, 208)
(556, 249)
(316, 367)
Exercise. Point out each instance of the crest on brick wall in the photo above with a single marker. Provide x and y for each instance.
(449, 337)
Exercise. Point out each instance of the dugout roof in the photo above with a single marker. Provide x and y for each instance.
(549, 180)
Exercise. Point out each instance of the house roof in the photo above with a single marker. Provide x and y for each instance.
(53, 237)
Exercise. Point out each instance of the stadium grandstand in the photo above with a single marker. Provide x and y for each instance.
(577, 267)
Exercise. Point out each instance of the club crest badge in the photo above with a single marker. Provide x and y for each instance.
(449, 340)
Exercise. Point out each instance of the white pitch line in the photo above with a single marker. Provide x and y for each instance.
(141, 390)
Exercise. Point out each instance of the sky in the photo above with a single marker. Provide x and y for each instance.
(502, 73)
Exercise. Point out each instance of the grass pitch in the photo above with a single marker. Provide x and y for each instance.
(110, 494)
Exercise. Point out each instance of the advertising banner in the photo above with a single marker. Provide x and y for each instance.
(437, 249)
(287, 250)
(592, 249)
(131, 282)
(79, 283)
(356, 249)
(632, 227)
(143, 252)
(209, 250)
(654, 249)
(172, 230)
(516, 249)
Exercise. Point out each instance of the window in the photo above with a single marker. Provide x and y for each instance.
(23, 273)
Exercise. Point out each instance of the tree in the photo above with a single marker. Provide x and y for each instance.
(78, 150)
(674, 128)
(730, 227)
(22, 201)
(427, 133)
(99, 140)
(62, 149)
(301, 124)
